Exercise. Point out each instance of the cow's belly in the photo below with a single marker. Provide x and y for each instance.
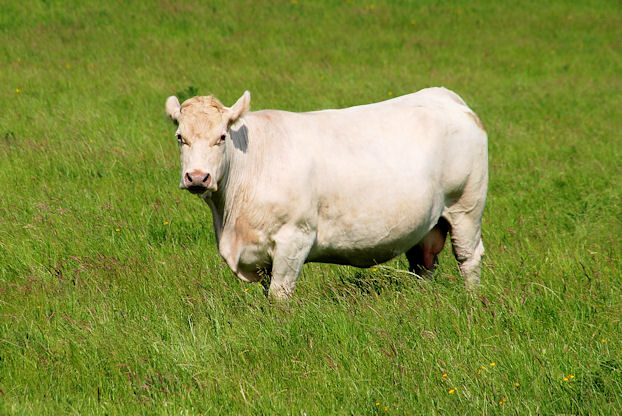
(361, 256)
(368, 235)
(364, 250)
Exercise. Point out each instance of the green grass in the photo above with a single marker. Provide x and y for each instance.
(148, 319)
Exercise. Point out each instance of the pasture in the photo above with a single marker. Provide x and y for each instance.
(113, 299)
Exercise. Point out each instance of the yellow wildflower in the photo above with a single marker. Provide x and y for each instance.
(17, 90)
(444, 375)
(165, 222)
(452, 391)
(492, 364)
(516, 384)
(117, 229)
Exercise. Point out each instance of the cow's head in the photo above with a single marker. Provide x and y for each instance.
(202, 135)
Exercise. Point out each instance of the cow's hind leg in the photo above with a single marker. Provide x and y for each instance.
(423, 258)
(466, 241)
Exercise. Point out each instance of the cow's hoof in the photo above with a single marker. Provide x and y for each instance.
(472, 283)
(279, 295)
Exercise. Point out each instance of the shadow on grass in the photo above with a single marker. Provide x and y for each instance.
(376, 280)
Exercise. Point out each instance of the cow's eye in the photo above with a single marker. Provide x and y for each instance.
(222, 138)
(179, 139)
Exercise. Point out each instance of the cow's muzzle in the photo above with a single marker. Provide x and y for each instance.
(197, 182)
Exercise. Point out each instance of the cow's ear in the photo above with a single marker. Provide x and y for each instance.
(240, 108)
(173, 108)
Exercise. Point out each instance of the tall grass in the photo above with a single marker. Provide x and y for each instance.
(113, 299)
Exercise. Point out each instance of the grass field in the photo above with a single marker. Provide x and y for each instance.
(113, 299)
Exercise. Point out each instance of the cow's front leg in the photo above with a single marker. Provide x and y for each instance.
(292, 246)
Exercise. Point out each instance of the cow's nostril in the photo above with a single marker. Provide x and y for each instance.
(188, 178)
(206, 179)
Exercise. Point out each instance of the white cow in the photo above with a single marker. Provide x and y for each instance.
(354, 186)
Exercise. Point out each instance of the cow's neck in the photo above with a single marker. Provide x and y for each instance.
(218, 204)
(229, 187)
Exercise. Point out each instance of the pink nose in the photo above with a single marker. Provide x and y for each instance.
(197, 179)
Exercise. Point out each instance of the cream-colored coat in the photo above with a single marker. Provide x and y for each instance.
(354, 186)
